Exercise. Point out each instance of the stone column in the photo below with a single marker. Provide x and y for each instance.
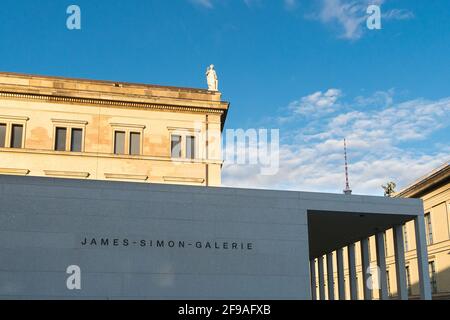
(312, 265)
(365, 267)
(341, 275)
(422, 258)
(399, 247)
(381, 262)
(330, 274)
(321, 278)
(352, 272)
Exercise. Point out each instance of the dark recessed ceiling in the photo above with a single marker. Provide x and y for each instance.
(329, 231)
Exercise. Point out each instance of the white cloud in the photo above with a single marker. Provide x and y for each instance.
(350, 16)
(316, 103)
(390, 142)
(290, 4)
(203, 3)
(398, 14)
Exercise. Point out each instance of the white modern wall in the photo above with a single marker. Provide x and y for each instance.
(44, 222)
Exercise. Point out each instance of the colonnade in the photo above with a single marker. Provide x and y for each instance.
(317, 264)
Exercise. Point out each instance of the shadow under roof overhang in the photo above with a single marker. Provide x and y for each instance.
(332, 230)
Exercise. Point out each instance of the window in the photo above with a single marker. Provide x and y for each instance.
(185, 142)
(12, 131)
(388, 280)
(385, 244)
(69, 135)
(405, 238)
(60, 139)
(432, 271)
(357, 288)
(76, 140)
(16, 136)
(127, 143)
(128, 139)
(408, 280)
(2, 135)
(190, 147)
(135, 143)
(176, 146)
(119, 142)
(429, 228)
(68, 139)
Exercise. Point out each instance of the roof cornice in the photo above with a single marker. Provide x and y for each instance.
(112, 103)
(433, 178)
(106, 83)
(111, 94)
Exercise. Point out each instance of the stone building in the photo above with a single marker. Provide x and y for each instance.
(434, 190)
(102, 130)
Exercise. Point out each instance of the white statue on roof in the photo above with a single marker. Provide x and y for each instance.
(211, 77)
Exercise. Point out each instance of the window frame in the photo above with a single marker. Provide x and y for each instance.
(128, 129)
(194, 138)
(69, 125)
(140, 143)
(11, 121)
(388, 282)
(405, 237)
(55, 139)
(13, 134)
(184, 133)
(432, 275)
(171, 146)
(429, 228)
(81, 142)
(6, 132)
(408, 280)
(124, 142)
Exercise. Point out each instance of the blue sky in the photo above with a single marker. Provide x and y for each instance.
(308, 67)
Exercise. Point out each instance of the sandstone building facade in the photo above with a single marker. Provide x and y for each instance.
(434, 190)
(102, 130)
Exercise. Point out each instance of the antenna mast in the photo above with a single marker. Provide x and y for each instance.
(347, 189)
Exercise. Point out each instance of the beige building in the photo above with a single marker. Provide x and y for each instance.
(84, 129)
(434, 190)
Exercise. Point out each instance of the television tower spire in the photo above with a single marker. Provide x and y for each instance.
(347, 189)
